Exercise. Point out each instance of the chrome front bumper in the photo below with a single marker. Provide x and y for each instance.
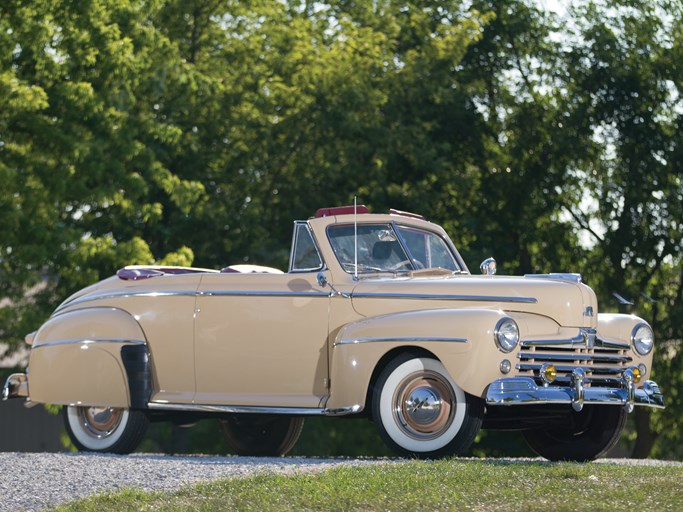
(524, 391)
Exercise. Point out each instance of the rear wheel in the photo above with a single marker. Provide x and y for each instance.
(585, 436)
(261, 435)
(421, 412)
(105, 429)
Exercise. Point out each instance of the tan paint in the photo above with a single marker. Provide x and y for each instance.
(268, 350)
(618, 328)
(81, 374)
(269, 339)
(560, 300)
(75, 357)
(89, 324)
(353, 363)
(167, 322)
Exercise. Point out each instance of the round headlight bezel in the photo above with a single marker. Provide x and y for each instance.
(505, 327)
(642, 342)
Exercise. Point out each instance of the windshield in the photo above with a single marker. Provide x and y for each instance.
(386, 248)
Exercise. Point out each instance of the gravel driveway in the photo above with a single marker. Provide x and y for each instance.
(33, 481)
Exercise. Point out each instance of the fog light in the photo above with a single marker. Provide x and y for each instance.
(548, 373)
(637, 374)
(505, 366)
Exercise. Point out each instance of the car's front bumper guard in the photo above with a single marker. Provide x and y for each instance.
(525, 391)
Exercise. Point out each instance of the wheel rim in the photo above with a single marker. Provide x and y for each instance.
(99, 422)
(423, 405)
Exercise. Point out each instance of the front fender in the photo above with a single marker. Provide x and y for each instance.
(89, 357)
(614, 327)
(462, 339)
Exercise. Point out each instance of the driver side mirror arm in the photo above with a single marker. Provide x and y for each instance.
(323, 283)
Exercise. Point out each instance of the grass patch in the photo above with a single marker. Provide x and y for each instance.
(440, 485)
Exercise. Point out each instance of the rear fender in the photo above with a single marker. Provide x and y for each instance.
(461, 339)
(93, 356)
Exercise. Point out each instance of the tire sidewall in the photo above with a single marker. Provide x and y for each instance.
(390, 379)
(85, 441)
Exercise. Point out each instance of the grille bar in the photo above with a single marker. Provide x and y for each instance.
(602, 361)
(603, 370)
(547, 357)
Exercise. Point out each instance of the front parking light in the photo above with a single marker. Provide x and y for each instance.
(548, 373)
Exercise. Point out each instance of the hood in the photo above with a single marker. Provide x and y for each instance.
(568, 302)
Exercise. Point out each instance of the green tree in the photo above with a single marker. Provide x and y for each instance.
(624, 93)
(194, 132)
(80, 169)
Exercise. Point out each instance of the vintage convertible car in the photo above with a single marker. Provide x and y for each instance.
(377, 315)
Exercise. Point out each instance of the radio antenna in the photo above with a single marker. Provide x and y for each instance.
(355, 239)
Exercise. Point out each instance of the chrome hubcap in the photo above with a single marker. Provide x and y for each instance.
(99, 422)
(424, 405)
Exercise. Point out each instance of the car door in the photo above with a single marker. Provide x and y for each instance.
(261, 340)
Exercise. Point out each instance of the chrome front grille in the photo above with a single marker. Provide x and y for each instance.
(603, 366)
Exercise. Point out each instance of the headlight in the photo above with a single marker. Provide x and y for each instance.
(506, 334)
(642, 339)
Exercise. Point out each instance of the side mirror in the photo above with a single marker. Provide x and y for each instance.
(322, 279)
(488, 267)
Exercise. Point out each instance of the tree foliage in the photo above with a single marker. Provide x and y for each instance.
(194, 132)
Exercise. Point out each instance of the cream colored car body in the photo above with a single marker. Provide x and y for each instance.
(295, 343)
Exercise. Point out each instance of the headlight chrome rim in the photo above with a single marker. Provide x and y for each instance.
(640, 343)
(504, 327)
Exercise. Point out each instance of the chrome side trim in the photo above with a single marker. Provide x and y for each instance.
(252, 409)
(314, 294)
(88, 342)
(524, 391)
(125, 295)
(207, 293)
(240, 293)
(426, 296)
(574, 278)
(414, 339)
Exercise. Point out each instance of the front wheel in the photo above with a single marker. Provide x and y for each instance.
(421, 412)
(261, 435)
(584, 436)
(105, 429)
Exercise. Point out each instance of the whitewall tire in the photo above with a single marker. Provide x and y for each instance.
(105, 429)
(421, 412)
